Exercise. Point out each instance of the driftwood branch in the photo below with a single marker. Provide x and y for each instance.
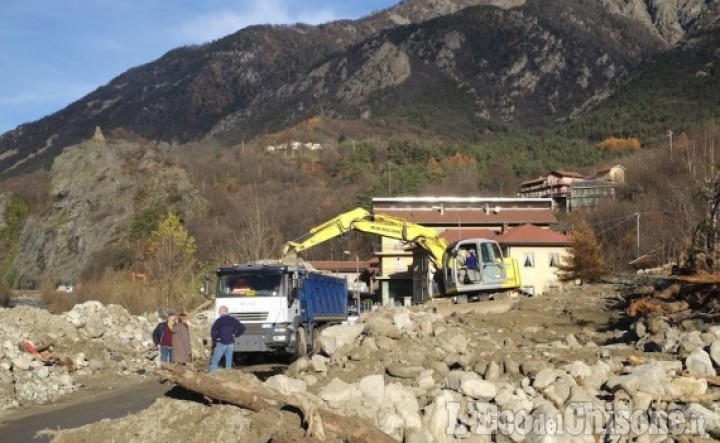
(320, 421)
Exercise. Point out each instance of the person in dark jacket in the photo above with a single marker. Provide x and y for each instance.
(223, 333)
(162, 337)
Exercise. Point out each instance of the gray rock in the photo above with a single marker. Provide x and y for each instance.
(334, 337)
(709, 419)
(337, 393)
(690, 342)
(317, 363)
(714, 330)
(478, 389)
(377, 327)
(579, 369)
(372, 388)
(403, 370)
(453, 379)
(402, 320)
(649, 378)
(715, 352)
(301, 364)
(532, 367)
(642, 401)
(285, 385)
(656, 325)
(436, 419)
(492, 372)
(699, 365)
(404, 403)
(392, 424)
(21, 363)
(425, 379)
(510, 366)
(640, 328)
(572, 342)
(43, 372)
(546, 377)
(440, 368)
(386, 343)
(684, 387)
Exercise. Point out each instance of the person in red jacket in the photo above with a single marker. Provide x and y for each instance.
(163, 335)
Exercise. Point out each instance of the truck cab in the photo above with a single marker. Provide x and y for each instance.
(280, 305)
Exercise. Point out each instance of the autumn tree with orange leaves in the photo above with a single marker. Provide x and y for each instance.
(585, 260)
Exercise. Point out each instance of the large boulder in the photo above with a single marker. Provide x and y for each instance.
(649, 378)
(437, 417)
(285, 385)
(338, 394)
(699, 365)
(334, 337)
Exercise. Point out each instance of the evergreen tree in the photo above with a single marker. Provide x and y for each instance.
(585, 260)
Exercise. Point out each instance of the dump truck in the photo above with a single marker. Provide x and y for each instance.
(283, 307)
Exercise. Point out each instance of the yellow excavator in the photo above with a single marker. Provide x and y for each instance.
(487, 271)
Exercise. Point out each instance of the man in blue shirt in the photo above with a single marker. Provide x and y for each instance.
(471, 268)
(223, 333)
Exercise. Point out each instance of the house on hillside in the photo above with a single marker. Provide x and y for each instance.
(571, 190)
(404, 272)
(555, 185)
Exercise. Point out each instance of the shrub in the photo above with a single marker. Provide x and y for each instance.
(619, 144)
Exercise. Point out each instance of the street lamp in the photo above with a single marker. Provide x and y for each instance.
(357, 280)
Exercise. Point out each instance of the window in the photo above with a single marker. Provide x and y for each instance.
(529, 260)
(554, 259)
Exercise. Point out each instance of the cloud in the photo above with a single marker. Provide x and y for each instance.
(214, 25)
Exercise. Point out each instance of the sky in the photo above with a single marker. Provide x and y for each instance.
(54, 52)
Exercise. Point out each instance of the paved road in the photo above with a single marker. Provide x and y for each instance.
(111, 404)
(89, 407)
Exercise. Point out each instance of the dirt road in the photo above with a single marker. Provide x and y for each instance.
(109, 399)
(22, 426)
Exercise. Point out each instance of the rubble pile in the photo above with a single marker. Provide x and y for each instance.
(42, 355)
(548, 370)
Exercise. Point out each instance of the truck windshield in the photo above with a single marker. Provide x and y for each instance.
(247, 285)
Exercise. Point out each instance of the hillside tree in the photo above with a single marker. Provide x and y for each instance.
(585, 260)
(170, 254)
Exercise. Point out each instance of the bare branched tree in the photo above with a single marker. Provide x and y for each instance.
(258, 236)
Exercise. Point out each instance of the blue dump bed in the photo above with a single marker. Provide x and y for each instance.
(323, 298)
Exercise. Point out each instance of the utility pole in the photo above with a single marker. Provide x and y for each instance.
(389, 170)
(637, 240)
(670, 134)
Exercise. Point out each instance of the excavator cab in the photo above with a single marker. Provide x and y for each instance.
(475, 266)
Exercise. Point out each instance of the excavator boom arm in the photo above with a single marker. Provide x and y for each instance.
(361, 220)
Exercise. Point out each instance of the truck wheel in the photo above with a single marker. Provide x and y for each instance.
(301, 343)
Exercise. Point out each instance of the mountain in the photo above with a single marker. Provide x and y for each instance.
(453, 68)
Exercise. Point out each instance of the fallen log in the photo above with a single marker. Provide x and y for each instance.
(319, 421)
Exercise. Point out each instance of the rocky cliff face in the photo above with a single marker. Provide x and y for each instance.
(517, 66)
(672, 20)
(97, 189)
(265, 78)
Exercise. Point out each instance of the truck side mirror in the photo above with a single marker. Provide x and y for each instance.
(292, 295)
(205, 290)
